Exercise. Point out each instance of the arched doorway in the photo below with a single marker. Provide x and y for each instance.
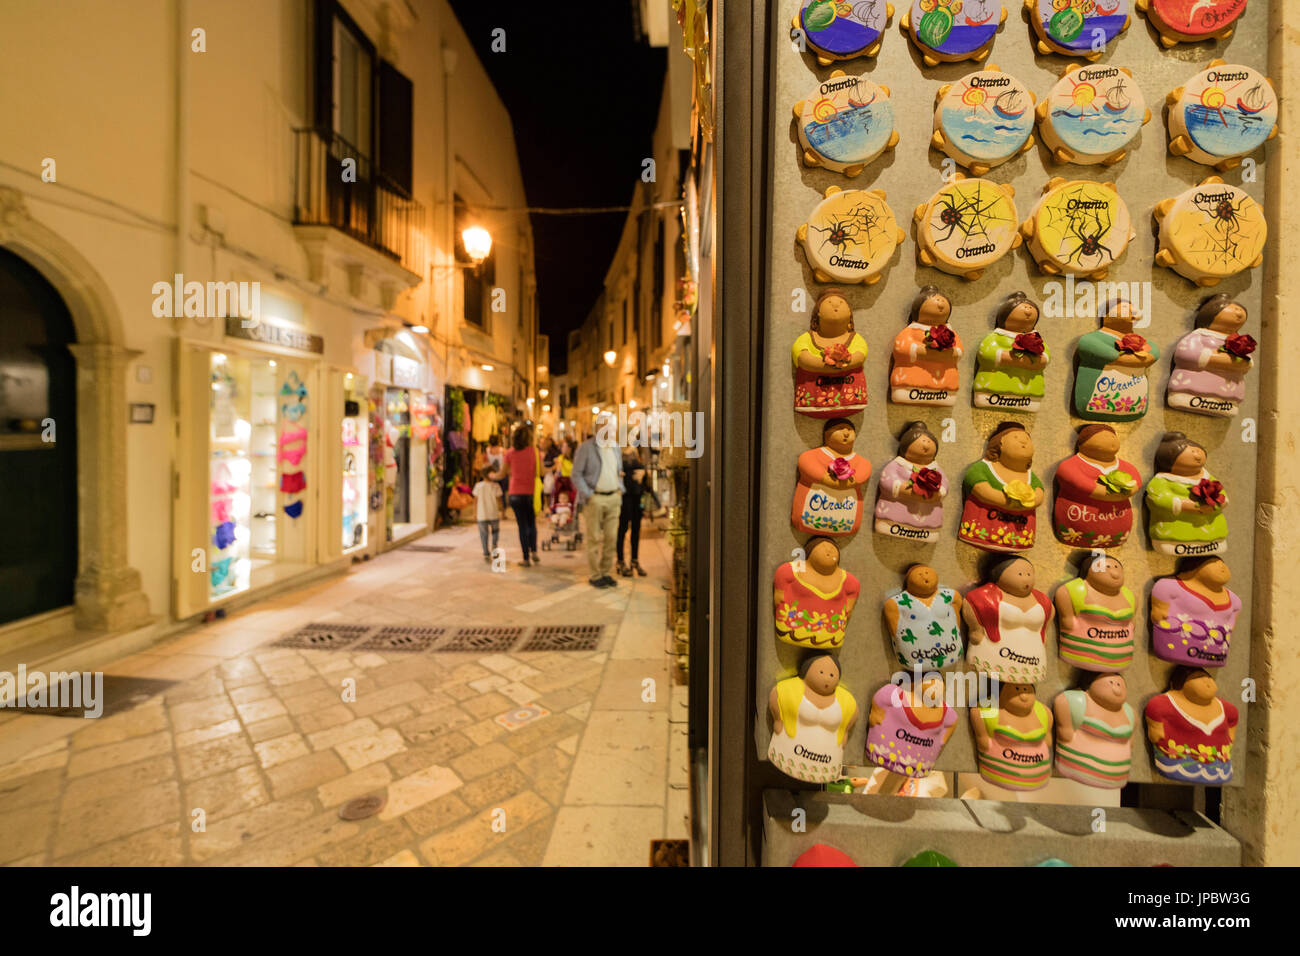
(38, 444)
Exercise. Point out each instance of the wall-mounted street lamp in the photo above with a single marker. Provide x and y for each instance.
(611, 357)
(478, 243)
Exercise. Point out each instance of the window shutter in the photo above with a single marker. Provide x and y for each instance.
(323, 65)
(395, 110)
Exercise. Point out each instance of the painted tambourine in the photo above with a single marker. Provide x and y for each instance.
(850, 236)
(1074, 27)
(846, 123)
(1078, 228)
(1092, 115)
(945, 31)
(1189, 21)
(1210, 232)
(841, 30)
(967, 226)
(1222, 114)
(984, 119)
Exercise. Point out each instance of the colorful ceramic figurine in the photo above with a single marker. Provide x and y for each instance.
(908, 727)
(1210, 232)
(923, 619)
(1192, 729)
(967, 226)
(850, 236)
(1073, 27)
(1002, 493)
(840, 31)
(828, 495)
(1111, 383)
(1006, 623)
(1187, 21)
(1222, 114)
(945, 31)
(814, 598)
(984, 119)
(1013, 741)
(1094, 732)
(910, 493)
(1094, 617)
(812, 715)
(1211, 362)
(1185, 501)
(846, 123)
(1094, 488)
(1193, 614)
(828, 359)
(1078, 228)
(1091, 115)
(1011, 359)
(926, 353)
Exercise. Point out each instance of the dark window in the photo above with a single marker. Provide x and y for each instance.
(395, 110)
(625, 310)
(657, 290)
(478, 280)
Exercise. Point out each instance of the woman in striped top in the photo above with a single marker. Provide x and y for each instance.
(1094, 733)
(1095, 616)
(1013, 741)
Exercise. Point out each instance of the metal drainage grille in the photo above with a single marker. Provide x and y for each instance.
(434, 548)
(324, 636)
(565, 637)
(482, 639)
(401, 638)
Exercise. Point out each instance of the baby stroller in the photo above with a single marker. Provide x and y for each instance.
(563, 515)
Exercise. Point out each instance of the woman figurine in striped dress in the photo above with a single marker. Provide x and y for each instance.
(1095, 614)
(1094, 733)
(1013, 741)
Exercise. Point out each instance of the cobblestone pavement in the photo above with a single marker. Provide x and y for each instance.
(262, 741)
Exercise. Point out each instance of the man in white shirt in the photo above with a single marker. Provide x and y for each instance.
(598, 476)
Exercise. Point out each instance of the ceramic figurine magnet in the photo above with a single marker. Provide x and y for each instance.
(1092, 115)
(1111, 382)
(910, 493)
(828, 495)
(1010, 362)
(1222, 114)
(1210, 232)
(1187, 21)
(924, 621)
(1192, 729)
(908, 726)
(984, 119)
(1185, 502)
(925, 353)
(1193, 614)
(1002, 493)
(840, 30)
(1094, 732)
(967, 226)
(1078, 228)
(828, 360)
(1013, 741)
(846, 123)
(1094, 488)
(814, 598)
(850, 236)
(1072, 27)
(1094, 617)
(812, 715)
(1211, 362)
(946, 31)
(1006, 623)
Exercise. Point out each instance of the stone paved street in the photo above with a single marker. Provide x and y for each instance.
(262, 740)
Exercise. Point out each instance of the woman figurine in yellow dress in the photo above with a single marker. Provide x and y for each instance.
(811, 718)
(828, 360)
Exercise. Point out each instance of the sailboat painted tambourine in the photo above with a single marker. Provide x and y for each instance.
(1074, 27)
(1078, 227)
(984, 119)
(945, 31)
(1222, 114)
(967, 226)
(846, 123)
(850, 236)
(840, 30)
(1092, 115)
(1210, 232)
(1189, 21)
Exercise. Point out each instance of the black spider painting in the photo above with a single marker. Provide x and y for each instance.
(1085, 225)
(1226, 228)
(854, 227)
(972, 215)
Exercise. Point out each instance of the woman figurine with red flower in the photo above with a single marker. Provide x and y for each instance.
(926, 354)
(1010, 362)
(1211, 362)
(828, 496)
(828, 360)
(1002, 493)
(1111, 384)
(909, 502)
(1185, 501)
(1093, 491)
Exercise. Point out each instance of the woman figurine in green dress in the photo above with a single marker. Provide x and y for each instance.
(1185, 501)
(1011, 359)
(1111, 383)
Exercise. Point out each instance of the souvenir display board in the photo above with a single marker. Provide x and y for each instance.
(911, 176)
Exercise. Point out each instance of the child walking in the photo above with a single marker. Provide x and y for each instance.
(487, 505)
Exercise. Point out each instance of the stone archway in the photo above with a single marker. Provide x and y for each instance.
(108, 593)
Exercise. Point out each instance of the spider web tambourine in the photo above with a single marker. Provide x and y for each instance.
(967, 226)
(1078, 227)
(1210, 232)
(850, 236)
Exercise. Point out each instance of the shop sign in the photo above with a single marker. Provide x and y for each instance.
(272, 333)
(406, 372)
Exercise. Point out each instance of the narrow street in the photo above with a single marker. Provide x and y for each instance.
(254, 735)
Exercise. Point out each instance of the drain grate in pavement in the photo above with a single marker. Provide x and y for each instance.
(434, 548)
(565, 637)
(490, 639)
(118, 694)
(327, 637)
(397, 637)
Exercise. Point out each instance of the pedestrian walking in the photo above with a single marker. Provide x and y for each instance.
(496, 460)
(597, 474)
(629, 515)
(487, 505)
(521, 467)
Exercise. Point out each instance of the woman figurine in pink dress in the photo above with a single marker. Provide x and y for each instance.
(908, 726)
(1211, 362)
(1094, 488)
(828, 360)
(1094, 732)
(828, 493)
(909, 502)
(1193, 614)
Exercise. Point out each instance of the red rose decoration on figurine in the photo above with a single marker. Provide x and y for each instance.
(940, 337)
(841, 469)
(837, 355)
(926, 482)
(1209, 492)
(1131, 343)
(1029, 342)
(1239, 346)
